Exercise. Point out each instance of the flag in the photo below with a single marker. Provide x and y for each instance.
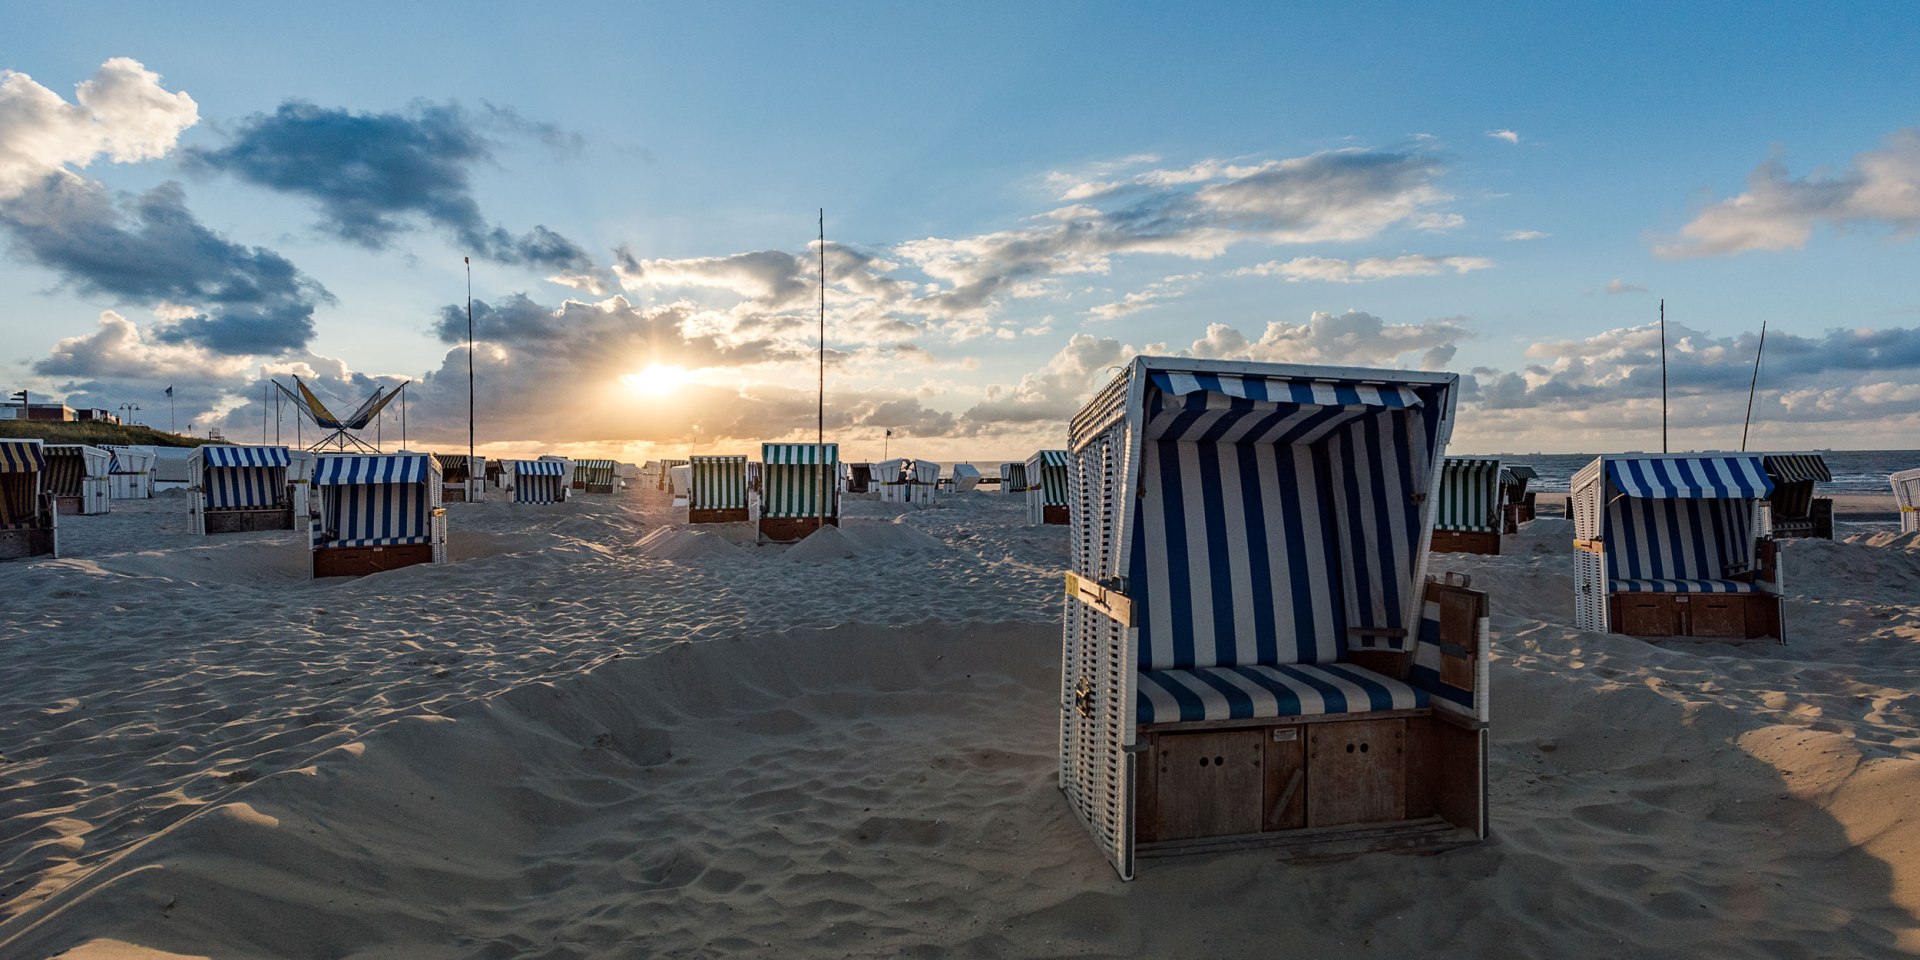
(169, 392)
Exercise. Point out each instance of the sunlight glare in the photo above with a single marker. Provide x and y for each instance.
(658, 379)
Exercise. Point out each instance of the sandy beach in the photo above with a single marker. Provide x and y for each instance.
(601, 733)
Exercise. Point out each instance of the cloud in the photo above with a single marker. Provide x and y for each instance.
(122, 113)
(1055, 391)
(1779, 212)
(1618, 286)
(1155, 292)
(374, 175)
(1361, 271)
(1196, 212)
(1507, 135)
(150, 249)
(1521, 235)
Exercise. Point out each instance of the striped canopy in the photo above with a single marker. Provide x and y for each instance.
(1727, 476)
(22, 456)
(1469, 495)
(1223, 408)
(335, 470)
(1519, 472)
(219, 455)
(1797, 468)
(795, 479)
(798, 454)
(595, 472)
(719, 483)
(1052, 467)
(538, 468)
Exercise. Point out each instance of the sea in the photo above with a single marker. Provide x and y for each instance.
(1854, 471)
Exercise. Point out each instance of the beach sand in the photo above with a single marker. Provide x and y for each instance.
(601, 734)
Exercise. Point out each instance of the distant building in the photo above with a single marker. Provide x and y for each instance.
(96, 415)
(13, 410)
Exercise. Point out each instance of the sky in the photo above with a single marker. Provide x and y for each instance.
(1018, 199)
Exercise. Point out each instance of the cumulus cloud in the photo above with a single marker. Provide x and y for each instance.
(1618, 286)
(227, 297)
(1360, 271)
(122, 113)
(374, 175)
(1779, 212)
(1523, 235)
(1507, 135)
(1196, 212)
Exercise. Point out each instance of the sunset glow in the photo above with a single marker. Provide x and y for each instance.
(658, 379)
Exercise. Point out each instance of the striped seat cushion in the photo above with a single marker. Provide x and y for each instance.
(1257, 692)
(1679, 586)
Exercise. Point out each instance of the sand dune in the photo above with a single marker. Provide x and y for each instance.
(573, 745)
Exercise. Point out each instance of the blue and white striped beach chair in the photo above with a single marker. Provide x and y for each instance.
(376, 512)
(1792, 511)
(238, 488)
(536, 481)
(1670, 546)
(1251, 653)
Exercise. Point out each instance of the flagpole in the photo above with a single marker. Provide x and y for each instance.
(820, 435)
(469, 262)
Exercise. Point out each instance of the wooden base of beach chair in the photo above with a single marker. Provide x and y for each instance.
(789, 529)
(249, 521)
(1484, 542)
(594, 487)
(1707, 616)
(1318, 785)
(1054, 515)
(360, 561)
(718, 516)
(453, 494)
(21, 544)
(66, 506)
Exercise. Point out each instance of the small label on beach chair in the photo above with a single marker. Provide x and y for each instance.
(1285, 734)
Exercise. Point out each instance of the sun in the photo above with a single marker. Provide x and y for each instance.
(658, 379)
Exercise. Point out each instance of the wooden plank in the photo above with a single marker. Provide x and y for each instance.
(1459, 635)
(1719, 615)
(1644, 615)
(1356, 772)
(1285, 797)
(1457, 774)
(1310, 845)
(1208, 784)
(1111, 603)
(1422, 768)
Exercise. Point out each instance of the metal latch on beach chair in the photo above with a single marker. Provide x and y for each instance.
(1107, 600)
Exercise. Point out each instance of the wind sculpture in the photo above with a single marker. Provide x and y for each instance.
(340, 437)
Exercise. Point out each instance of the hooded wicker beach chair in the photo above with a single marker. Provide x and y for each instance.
(664, 481)
(856, 477)
(907, 480)
(800, 490)
(1013, 478)
(1517, 502)
(462, 478)
(131, 473)
(376, 512)
(719, 490)
(964, 477)
(78, 478)
(1906, 497)
(536, 481)
(240, 488)
(1793, 511)
(29, 527)
(595, 476)
(1251, 653)
(1670, 546)
(1469, 518)
(1047, 488)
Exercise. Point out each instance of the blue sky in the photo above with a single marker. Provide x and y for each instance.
(940, 140)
